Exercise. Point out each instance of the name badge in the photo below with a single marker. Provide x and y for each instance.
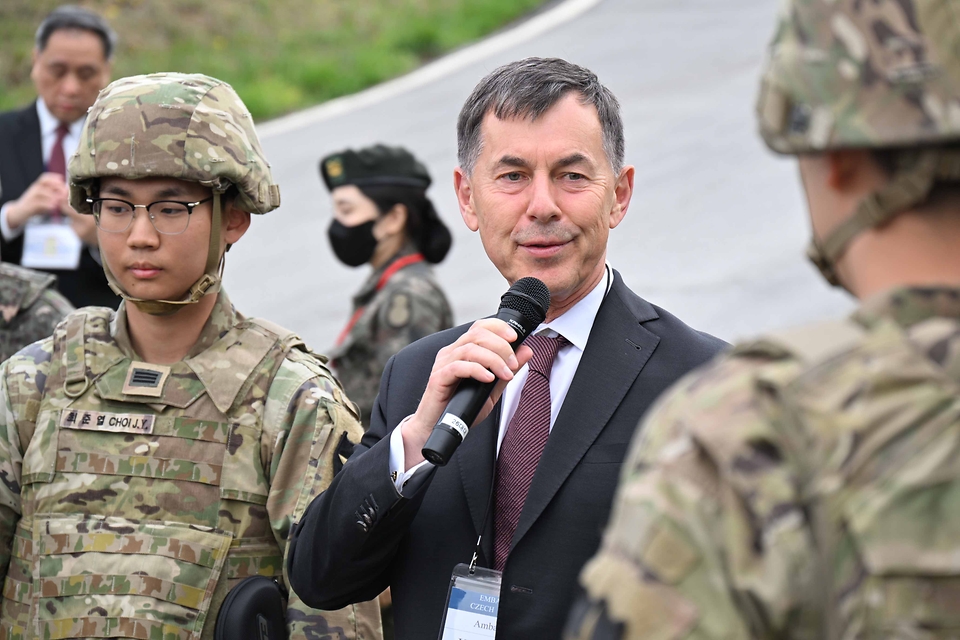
(50, 246)
(102, 421)
(472, 604)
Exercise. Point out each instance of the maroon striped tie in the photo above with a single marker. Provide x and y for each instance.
(58, 161)
(523, 444)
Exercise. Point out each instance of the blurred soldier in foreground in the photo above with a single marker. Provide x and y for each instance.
(154, 457)
(807, 485)
(382, 217)
(30, 307)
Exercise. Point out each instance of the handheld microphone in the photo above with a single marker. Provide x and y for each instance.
(524, 306)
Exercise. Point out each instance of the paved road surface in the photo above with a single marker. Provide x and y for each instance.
(715, 232)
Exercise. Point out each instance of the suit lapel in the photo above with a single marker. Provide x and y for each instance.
(616, 351)
(29, 146)
(475, 461)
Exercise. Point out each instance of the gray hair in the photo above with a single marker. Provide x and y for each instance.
(72, 17)
(527, 89)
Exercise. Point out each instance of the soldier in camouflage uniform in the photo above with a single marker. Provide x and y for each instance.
(30, 307)
(807, 485)
(383, 217)
(154, 457)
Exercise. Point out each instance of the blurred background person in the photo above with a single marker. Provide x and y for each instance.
(30, 307)
(38, 228)
(383, 217)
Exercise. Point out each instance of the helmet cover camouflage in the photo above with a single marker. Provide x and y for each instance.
(190, 127)
(854, 74)
(174, 125)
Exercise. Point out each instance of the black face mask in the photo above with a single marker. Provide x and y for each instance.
(354, 246)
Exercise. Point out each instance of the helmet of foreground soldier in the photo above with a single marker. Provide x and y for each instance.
(883, 74)
(189, 127)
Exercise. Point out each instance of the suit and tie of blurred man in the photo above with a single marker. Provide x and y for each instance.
(38, 228)
(807, 485)
(542, 178)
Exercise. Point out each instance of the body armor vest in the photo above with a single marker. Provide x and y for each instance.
(143, 487)
(872, 420)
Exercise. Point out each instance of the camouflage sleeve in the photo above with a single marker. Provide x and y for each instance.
(309, 430)
(708, 537)
(21, 380)
(407, 310)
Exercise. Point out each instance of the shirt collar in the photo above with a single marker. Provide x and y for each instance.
(49, 122)
(575, 325)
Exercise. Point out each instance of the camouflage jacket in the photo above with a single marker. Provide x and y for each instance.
(30, 307)
(805, 486)
(391, 310)
(134, 496)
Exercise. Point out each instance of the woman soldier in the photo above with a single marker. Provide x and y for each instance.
(382, 217)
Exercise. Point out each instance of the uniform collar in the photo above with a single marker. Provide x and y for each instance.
(576, 324)
(369, 288)
(909, 305)
(222, 319)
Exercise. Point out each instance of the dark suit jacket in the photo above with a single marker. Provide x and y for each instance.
(412, 542)
(21, 163)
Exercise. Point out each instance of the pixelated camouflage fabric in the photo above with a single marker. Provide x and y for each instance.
(30, 307)
(410, 306)
(768, 497)
(190, 127)
(140, 532)
(849, 73)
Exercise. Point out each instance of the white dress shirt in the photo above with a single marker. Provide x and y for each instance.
(48, 138)
(574, 325)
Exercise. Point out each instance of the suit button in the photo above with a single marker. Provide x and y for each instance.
(363, 526)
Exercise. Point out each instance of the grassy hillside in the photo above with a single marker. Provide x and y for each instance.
(280, 55)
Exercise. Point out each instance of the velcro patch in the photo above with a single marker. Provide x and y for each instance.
(103, 421)
(145, 379)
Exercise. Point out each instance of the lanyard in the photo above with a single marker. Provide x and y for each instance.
(388, 273)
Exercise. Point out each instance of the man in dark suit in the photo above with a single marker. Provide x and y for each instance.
(542, 178)
(38, 228)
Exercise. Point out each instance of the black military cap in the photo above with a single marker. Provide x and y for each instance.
(374, 165)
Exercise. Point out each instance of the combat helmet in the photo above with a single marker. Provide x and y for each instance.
(172, 125)
(883, 74)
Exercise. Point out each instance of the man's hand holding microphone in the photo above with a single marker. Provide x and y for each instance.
(468, 376)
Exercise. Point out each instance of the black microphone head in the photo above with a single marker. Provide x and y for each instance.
(530, 297)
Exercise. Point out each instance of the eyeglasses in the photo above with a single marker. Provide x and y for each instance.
(168, 217)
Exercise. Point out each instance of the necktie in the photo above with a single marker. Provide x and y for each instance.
(58, 162)
(523, 444)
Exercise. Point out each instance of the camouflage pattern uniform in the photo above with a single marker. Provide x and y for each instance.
(30, 307)
(406, 307)
(807, 484)
(134, 496)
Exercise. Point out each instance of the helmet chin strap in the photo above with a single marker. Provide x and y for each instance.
(208, 283)
(910, 185)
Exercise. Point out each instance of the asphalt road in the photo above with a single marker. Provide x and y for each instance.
(716, 228)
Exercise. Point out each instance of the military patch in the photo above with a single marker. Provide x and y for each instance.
(102, 421)
(145, 379)
(398, 311)
(334, 168)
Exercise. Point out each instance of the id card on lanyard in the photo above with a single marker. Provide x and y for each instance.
(473, 602)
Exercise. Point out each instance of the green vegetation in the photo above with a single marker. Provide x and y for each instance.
(280, 55)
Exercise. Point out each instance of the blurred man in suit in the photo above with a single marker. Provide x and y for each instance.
(38, 228)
